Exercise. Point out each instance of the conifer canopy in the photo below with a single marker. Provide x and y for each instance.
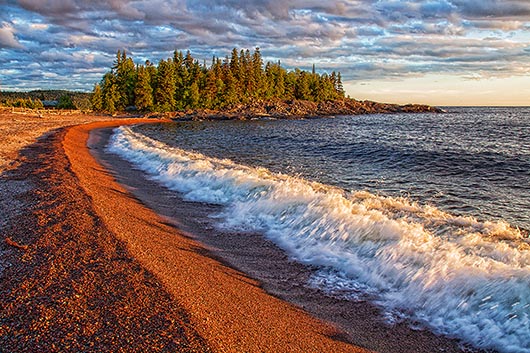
(181, 82)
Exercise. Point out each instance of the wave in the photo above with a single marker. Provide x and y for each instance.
(456, 275)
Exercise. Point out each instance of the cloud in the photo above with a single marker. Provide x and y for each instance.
(361, 38)
(493, 8)
(7, 37)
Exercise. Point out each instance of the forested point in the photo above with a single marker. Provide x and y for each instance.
(182, 82)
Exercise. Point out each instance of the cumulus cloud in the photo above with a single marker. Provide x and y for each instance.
(361, 38)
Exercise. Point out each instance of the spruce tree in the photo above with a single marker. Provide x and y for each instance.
(234, 65)
(302, 87)
(111, 93)
(125, 72)
(182, 82)
(257, 74)
(339, 87)
(166, 86)
(97, 98)
(143, 90)
(194, 95)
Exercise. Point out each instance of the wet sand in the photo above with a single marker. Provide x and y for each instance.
(98, 270)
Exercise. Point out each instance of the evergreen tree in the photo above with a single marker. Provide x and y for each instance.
(257, 74)
(65, 102)
(181, 79)
(302, 87)
(209, 93)
(214, 86)
(182, 82)
(143, 90)
(151, 69)
(229, 95)
(111, 93)
(290, 85)
(97, 98)
(125, 72)
(194, 95)
(235, 66)
(339, 87)
(166, 86)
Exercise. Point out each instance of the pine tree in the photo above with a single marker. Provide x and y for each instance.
(235, 66)
(182, 82)
(229, 95)
(214, 86)
(209, 94)
(290, 85)
(194, 95)
(151, 69)
(339, 87)
(275, 81)
(302, 88)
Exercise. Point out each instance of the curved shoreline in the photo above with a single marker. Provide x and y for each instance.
(71, 285)
(359, 322)
(218, 307)
(226, 307)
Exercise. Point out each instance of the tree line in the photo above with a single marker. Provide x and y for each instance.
(59, 99)
(182, 82)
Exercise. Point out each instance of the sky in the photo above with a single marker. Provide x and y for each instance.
(439, 52)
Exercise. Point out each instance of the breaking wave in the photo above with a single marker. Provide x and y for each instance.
(456, 275)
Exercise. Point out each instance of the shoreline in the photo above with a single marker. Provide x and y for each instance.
(299, 109)
(225, 306)
(217, 306)
(360, 323)
(72, 286)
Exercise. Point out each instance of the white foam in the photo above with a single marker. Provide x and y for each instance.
(456, 275)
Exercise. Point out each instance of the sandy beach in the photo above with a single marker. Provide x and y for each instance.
(95, 260)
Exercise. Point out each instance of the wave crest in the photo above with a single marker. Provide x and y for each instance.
(457, 275)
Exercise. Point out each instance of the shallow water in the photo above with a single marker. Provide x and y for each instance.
(329, 192)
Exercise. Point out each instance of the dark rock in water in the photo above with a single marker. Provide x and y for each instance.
(298, 109)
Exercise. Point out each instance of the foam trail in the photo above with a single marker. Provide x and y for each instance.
(456, 275)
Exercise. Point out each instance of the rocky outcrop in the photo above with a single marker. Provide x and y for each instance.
(296, 109)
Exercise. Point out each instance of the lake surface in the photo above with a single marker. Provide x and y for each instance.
(426, 214)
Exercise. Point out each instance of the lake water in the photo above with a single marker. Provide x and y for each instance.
(427, 214)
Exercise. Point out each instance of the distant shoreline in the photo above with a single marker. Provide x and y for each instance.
(273, 108)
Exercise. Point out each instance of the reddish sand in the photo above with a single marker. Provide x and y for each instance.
(226, 307)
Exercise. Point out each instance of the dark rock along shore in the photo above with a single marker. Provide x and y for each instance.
(296, 109)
